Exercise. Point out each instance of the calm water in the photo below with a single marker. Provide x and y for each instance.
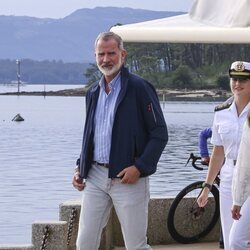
(37, 157)
(4, 88)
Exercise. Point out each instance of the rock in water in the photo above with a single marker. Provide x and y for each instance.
(18, 118)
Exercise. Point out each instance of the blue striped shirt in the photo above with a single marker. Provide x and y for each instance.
(104, 118)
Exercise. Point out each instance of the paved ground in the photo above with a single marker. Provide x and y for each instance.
(196, 246)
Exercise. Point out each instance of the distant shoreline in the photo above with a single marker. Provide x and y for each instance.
(164, 94)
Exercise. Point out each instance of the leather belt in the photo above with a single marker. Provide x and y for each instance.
(105, 165)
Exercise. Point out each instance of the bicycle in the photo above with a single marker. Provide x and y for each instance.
(187, 222)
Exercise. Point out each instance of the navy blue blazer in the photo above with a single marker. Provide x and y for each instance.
(139, 132)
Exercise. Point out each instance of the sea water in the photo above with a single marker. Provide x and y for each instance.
(38, 155)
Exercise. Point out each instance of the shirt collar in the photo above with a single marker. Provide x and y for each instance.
(112, 84)
(246, 109)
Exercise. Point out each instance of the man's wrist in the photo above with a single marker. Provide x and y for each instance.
(77, 169)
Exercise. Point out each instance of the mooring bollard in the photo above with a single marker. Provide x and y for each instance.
(49, 235)
(69, 211)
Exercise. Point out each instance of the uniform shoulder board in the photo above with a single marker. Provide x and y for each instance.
(225, 104)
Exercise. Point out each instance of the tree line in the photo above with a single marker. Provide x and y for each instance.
(193, 66)
(43, 72)
(165, 65)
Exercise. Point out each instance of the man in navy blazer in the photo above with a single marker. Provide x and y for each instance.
(124, 136)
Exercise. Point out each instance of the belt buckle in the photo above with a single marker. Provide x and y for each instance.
(105, 165)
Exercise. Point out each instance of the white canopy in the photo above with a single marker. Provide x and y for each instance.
(208, 21)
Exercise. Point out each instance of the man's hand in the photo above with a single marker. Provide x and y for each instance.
(205, 160)
(236, 212)
(78, 182)
(129, 175)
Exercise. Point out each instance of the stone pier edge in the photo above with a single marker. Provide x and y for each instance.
(158, 233)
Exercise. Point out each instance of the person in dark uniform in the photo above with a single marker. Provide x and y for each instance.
(204, 135)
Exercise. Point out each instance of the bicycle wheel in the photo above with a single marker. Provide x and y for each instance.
(187, 222)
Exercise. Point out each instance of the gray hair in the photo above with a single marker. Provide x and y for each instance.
(105, 36)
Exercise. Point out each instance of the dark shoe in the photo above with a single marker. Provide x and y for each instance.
(221, 245)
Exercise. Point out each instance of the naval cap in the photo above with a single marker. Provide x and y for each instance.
(240, 69)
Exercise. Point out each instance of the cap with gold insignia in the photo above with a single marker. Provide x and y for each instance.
(240, 70)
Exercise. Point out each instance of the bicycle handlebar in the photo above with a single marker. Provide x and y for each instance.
(194, 159)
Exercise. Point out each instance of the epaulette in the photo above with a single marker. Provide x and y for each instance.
(225, 104)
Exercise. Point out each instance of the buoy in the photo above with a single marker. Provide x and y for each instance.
(18, 118)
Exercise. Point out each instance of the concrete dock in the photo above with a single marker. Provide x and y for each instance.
(175, 246)
(195, 246)
(61, 234)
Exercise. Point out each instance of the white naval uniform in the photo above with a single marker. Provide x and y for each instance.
(241, 178)
(227, 131)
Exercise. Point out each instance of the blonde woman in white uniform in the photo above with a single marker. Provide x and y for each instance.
(226, 136)
(241, 179)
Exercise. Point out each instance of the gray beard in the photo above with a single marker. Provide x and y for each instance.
(109, 72)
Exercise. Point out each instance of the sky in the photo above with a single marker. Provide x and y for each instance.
(62, 8)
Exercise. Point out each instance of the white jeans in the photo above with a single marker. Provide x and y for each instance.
(236, 234)
(131, 205)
